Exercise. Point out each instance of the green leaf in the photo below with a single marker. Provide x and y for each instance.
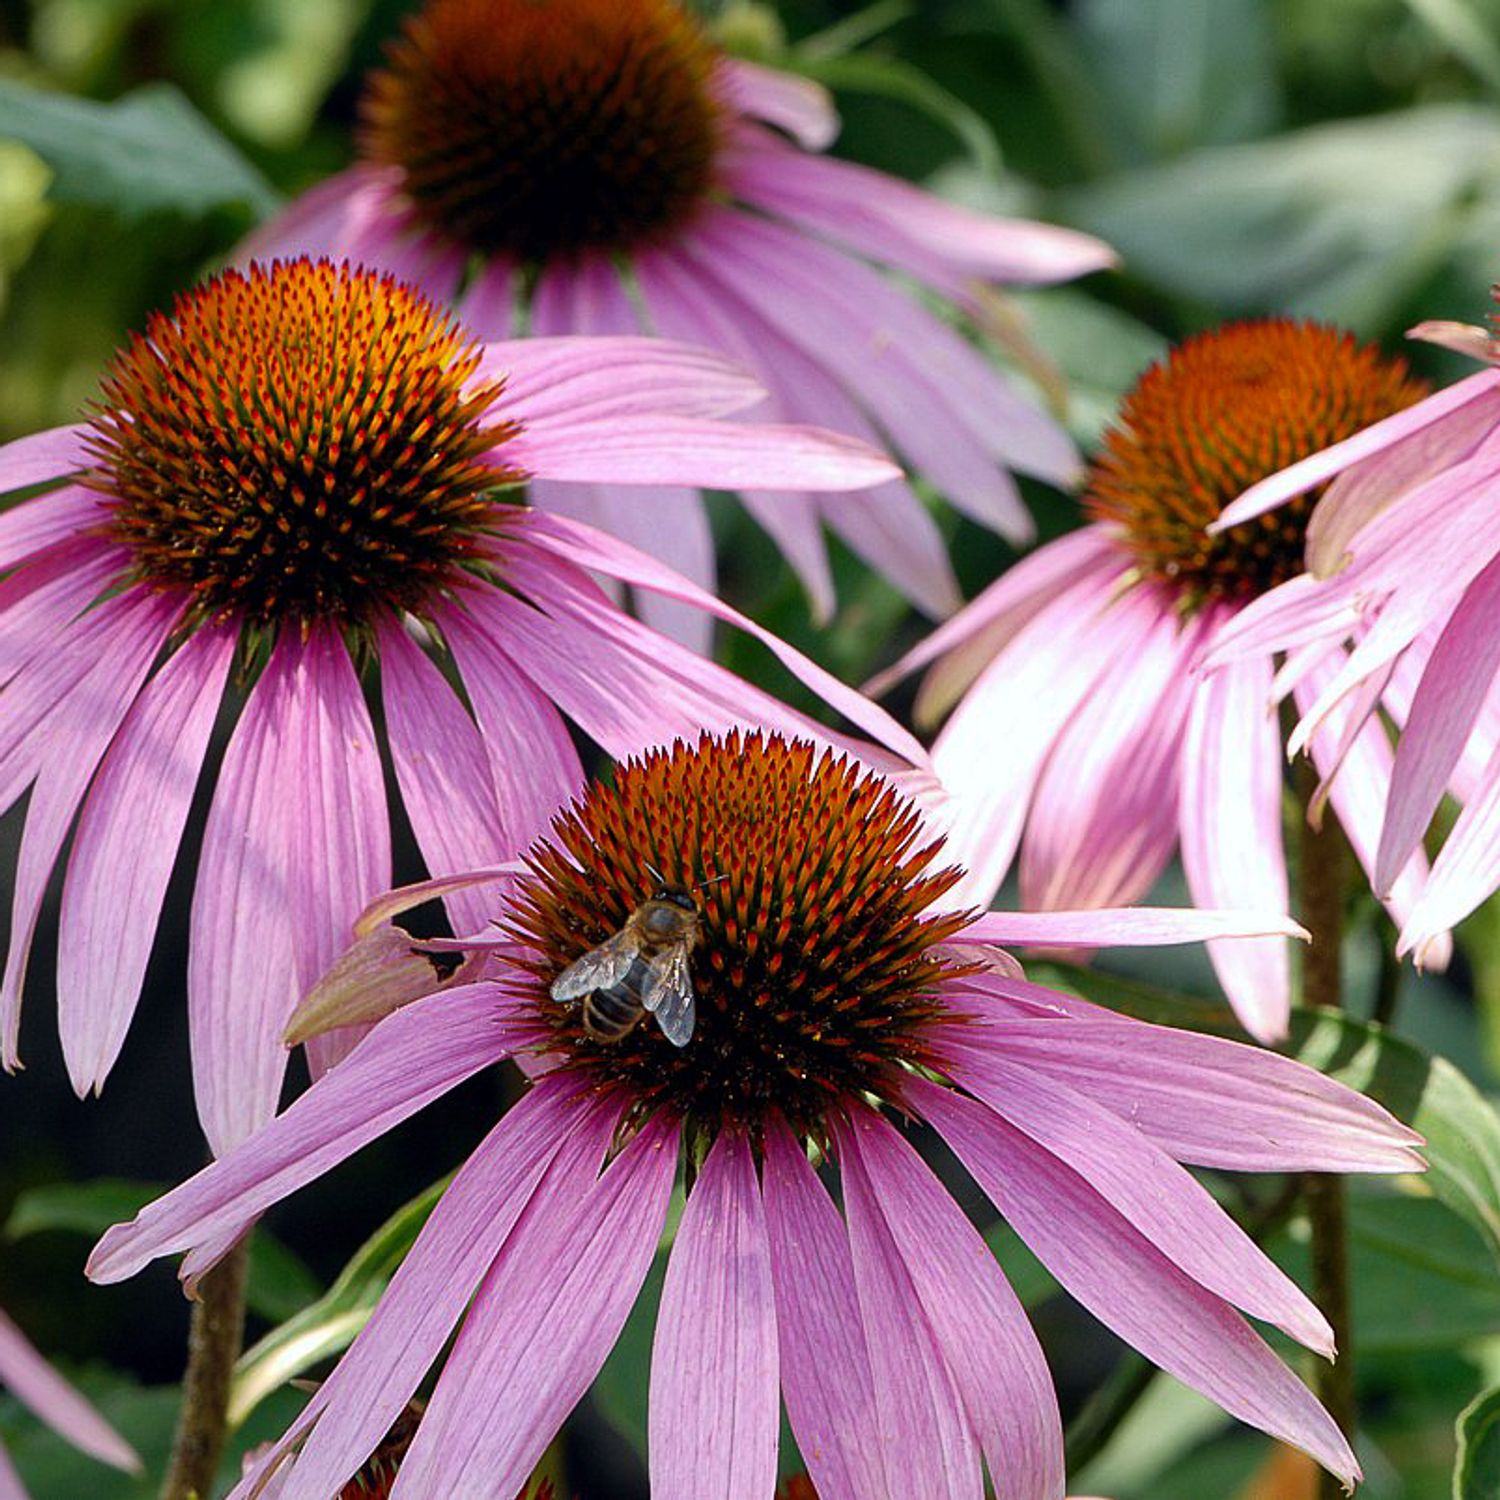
(1427, 1092)
(147, 152)
(1476, 1473)
(895, 79)
(79, 1207)
(1340, 220)
(328, 1326)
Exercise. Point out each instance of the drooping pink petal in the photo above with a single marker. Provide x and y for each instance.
(445, 780)
(38, 1387)
(556, 384)
(1364, 489)
(353, 1409)
(117, 879)
(1140, 1181)
(887, 525)
(1103, 817)
(10, 1482)
(1319, 467)
(907, 399)
(334, 218)
(586, 296)
(1126, 1282)
(1457, 679)
(533, 764)
(488, 308)
(297, 841)
(799, 106)
(715, 1378)
(825, 1364)
(928, 1445)
(881, 325)
(977, 633)
(96, 672)
(980, 1326)
(897, 224)
(1231, 833)
(1208, 1101)
(1465, 872)
(545, 1318)
(42, 456)
(583, 547)
(415, 1055)
(994, 745)
(1304, 611)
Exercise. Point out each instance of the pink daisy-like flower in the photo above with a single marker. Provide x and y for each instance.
(39, 1388)
(1400, 611)
(834, 998)
(1085, 734)
(595, 167)
(297, 473)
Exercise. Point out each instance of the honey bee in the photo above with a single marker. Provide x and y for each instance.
(642, 968)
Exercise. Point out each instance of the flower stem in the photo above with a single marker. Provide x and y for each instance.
(214, 1338)
(1322, 875)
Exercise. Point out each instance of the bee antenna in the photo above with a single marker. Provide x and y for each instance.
(703, 885)
(654, 873)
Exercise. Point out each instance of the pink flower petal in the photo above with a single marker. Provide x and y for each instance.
(544, 1319)
(1126, 1282)
(887, 525)
(116, 879)
(799, 106)
(1304, 611)
(894, 223)
(979, 1325)
(488, 307)
(1458, 678)
(58, 516)
(1103, 817)
(370, 1386)
(92, 675)
(415, 1055)
(1127, 927)
(441, 768)
(1379, 436)
(992, 750)
(714, 1369)
(42, 456)
(1208, 1101)
(908, 397)
(1140, 1181)
(10, 1482)
(553, 385)
(928, 1444)
(533, 764)
(581, 546)
(825, 1364)
(1231, 833)
(335, 219)
(984, 626)
(297, 842)
(37, 1386)
(38, 604)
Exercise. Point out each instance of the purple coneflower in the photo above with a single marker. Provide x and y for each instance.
(1400, 610)
(1086, 736)
(299, 472)
(596, 167)
(838, 1003)
(39, 1388)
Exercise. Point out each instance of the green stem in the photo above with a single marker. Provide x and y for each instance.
(1106, 1409)
(1322, 875)
(214, 1338)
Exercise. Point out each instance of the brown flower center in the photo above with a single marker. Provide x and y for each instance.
(541, 127)
(298, 442)
(815, 969)
(1223, 410)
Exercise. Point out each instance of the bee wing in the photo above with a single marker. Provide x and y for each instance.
(668, 995)
(598, 969)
